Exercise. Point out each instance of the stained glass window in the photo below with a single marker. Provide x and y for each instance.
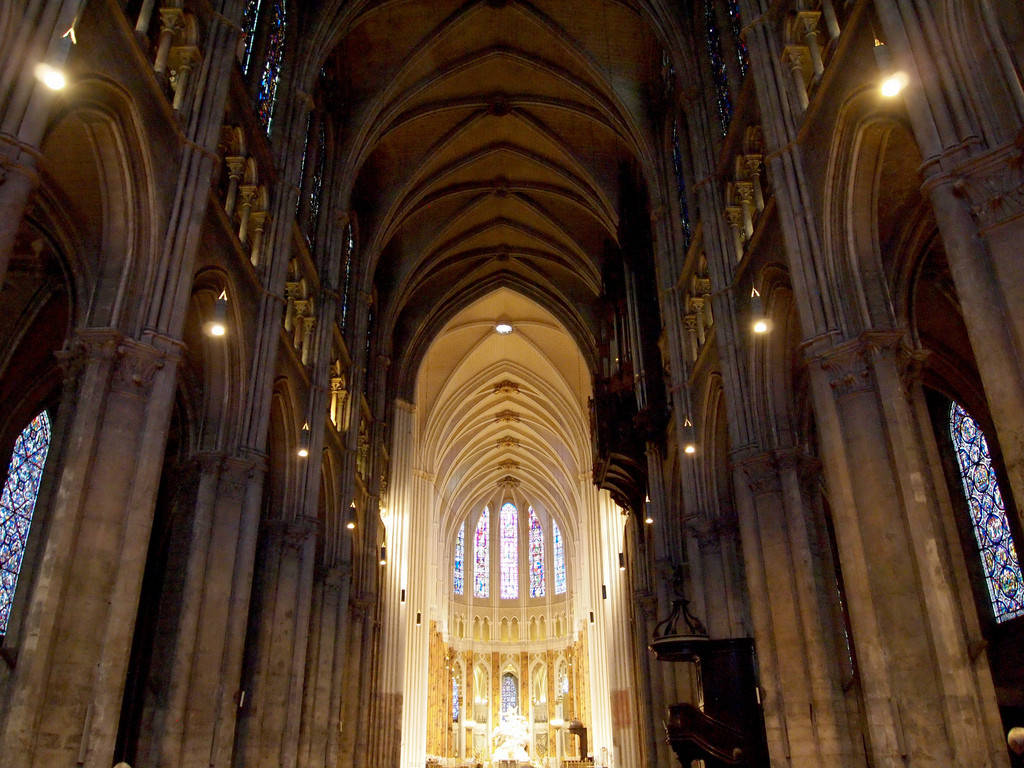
(988, 516)
(17, 504)
(509, 695)
(719, 72)
(455, 697)
(250, 16)
(677, 167)
(317, 183)
(266, 95)
(350, 247)
(481, 570)
(559, 548)
(509, 551)
(460, 549)
(735, 27)
(536, 556)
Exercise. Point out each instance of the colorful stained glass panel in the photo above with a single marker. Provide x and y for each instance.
(458, 578)
(536, 556)
(509, 695)
(481, 570)
(988, 515)
(17, 505)
(455, 698)
(509, 551)
(719, 71)
(677, 168)
(250, 16)
(559, 551)
(266, 95)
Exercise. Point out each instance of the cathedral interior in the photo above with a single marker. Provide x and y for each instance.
(554, 383)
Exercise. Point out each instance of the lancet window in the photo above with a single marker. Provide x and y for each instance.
(509, 551)
(991, 526)
(272, 18)
(509, 695)
(719, 70)
(481, 556)
(558, 545)
(460, 550)
(536, 556)
(17, 506)
(677, 168)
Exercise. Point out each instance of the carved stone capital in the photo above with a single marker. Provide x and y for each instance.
(293, 534)
(135, 367)
(761, 474)
(993, 186)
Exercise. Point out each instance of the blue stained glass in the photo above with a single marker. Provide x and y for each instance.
(735, 27)
(536, 556)
(460, 549)
(305, 157)
(559, 547)
(677, 167)
(250, 16)
(509, 551)
(266, 96)
(509, 695)
(988, 515)
(481, 570)
(455, 698)
(17, 505)
(350, 247)
(719, 73)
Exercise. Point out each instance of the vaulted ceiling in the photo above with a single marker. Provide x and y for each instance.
(491, 143)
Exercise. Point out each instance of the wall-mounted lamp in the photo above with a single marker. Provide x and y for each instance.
(51, 77)
(591, 617)
(758, 320)
(622, 561)
(419, 618)
(350, 523)
(383, 554)
(217, 325)
(604, 592)
(403, 594)
(893, 81)
(303, 450)
(689, 444)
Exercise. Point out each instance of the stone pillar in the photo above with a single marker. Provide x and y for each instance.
(269, 733)
(353, 696)
(923, 700)
(805, 713)
(81, 613)
(195, 721)
(325, 668)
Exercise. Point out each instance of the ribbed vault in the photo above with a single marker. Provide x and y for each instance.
(487, 143)
(496, 409)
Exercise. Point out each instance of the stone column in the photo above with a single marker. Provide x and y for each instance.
(923, 700)
(805, 714)
(66, 691)
(353, 696)
(325, 668)
(195, 721)
(269, 734)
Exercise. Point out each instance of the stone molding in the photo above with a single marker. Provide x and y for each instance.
(993, 185)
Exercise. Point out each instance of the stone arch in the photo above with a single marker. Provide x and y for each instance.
(96, 143)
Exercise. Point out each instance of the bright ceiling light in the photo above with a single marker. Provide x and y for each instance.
(503, 328)
(893, 84)
(761, 326)
(690, 449)
(51, 77)
(649, 520)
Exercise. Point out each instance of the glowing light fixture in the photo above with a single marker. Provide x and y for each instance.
(893, 84)
(351, 522)
(503, 328)
(689, 446)
(383, 554)
(303, 450)
(217, 325)
(622, 561)
(51, 77)
(649, 520)
(758, 321)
